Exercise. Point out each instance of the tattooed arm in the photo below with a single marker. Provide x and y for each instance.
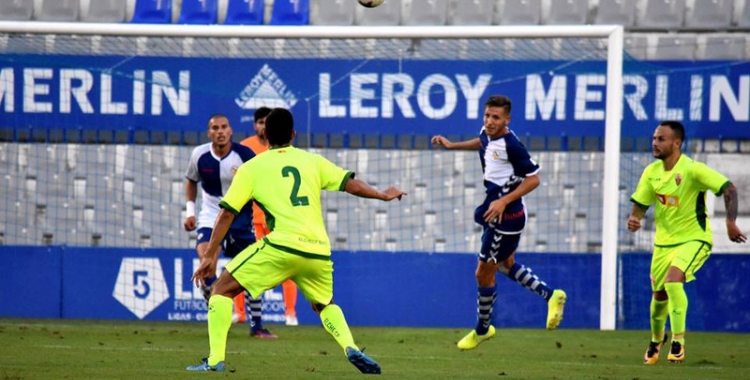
(730, 203)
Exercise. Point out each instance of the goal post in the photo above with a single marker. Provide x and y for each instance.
(432, 100)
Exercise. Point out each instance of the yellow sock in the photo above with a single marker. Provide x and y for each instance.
(335, 323)
(219, 321)
(659, 312)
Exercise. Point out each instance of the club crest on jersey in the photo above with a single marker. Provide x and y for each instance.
(495, 155)
(678, 179)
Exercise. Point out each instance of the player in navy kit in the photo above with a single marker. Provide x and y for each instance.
(509, 174)
(213, 164)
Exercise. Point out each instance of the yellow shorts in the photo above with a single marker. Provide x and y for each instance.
(687, 257)
(263, 266)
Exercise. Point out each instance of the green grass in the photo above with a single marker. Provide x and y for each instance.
(54, 349)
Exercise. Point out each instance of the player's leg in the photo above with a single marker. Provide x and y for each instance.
(524, 276)
(219, 320)
(233, 248)
(489, 255)
(203, 235)
(236, 242)
(290, 302)
(315, 281)
(688, 259)
(658, 311)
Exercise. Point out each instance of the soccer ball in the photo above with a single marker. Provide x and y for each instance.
(370, 3)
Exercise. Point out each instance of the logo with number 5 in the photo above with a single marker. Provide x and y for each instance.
(140, 285)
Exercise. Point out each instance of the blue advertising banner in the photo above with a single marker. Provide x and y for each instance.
(374, 288)
(551, 98)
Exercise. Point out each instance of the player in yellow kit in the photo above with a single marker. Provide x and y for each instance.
(286, 183)
(677, 186)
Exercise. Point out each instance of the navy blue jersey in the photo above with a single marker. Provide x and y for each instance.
(505, 163)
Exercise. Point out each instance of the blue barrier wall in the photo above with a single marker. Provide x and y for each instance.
(374, 288)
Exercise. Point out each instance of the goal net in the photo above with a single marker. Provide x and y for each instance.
(98, 123)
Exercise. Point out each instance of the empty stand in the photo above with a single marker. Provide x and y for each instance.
(618, 12)
(59, 10)
(389, 13)
(201, 12)
(152, 12)
(661, 14)
(16, 10)
(104, 11)
(709, 14)
(470, 12)
(425, 12)
(564, 12)
(290, 12)
(518, 12)
(332, 12)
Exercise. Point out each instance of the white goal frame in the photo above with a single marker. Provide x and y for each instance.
(613, 33)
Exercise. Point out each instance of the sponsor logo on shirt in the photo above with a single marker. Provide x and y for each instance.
(668, 200)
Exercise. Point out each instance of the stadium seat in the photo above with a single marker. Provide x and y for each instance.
(59, 10)
(16, 10)
(742, 13)
(721, 47)
(198, 12)
(425, 12)
(619, 12)
(661, 14)
(389, 13)
(152, 12)
(245, 12)
(564, 12)
(332, 12)
(672, 47)
(476, 12)
(636, 45)
(709, 14)
(103, 11)
(518, 12)
(290, 12)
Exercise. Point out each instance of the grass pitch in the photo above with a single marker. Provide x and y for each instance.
(54, 349)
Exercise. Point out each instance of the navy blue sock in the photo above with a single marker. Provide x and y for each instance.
(206, 289)
(522, 275)
(255, 308)
(485, 302)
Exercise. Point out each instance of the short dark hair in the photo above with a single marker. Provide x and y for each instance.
(261, 113)
(279, 127)
(499, 101)
(677, 128)
(208, 122)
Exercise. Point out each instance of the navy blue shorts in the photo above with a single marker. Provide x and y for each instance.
(233, 243)
(496, 246)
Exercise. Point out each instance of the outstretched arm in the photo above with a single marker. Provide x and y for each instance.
(730, 203)
(363, 190)
(634, 221)
(472, 144)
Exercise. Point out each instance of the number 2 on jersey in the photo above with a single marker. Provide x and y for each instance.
(294, 197)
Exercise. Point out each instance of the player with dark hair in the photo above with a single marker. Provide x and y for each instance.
(213, 165)
(677, 186)
(509, 174)
(286, 183)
